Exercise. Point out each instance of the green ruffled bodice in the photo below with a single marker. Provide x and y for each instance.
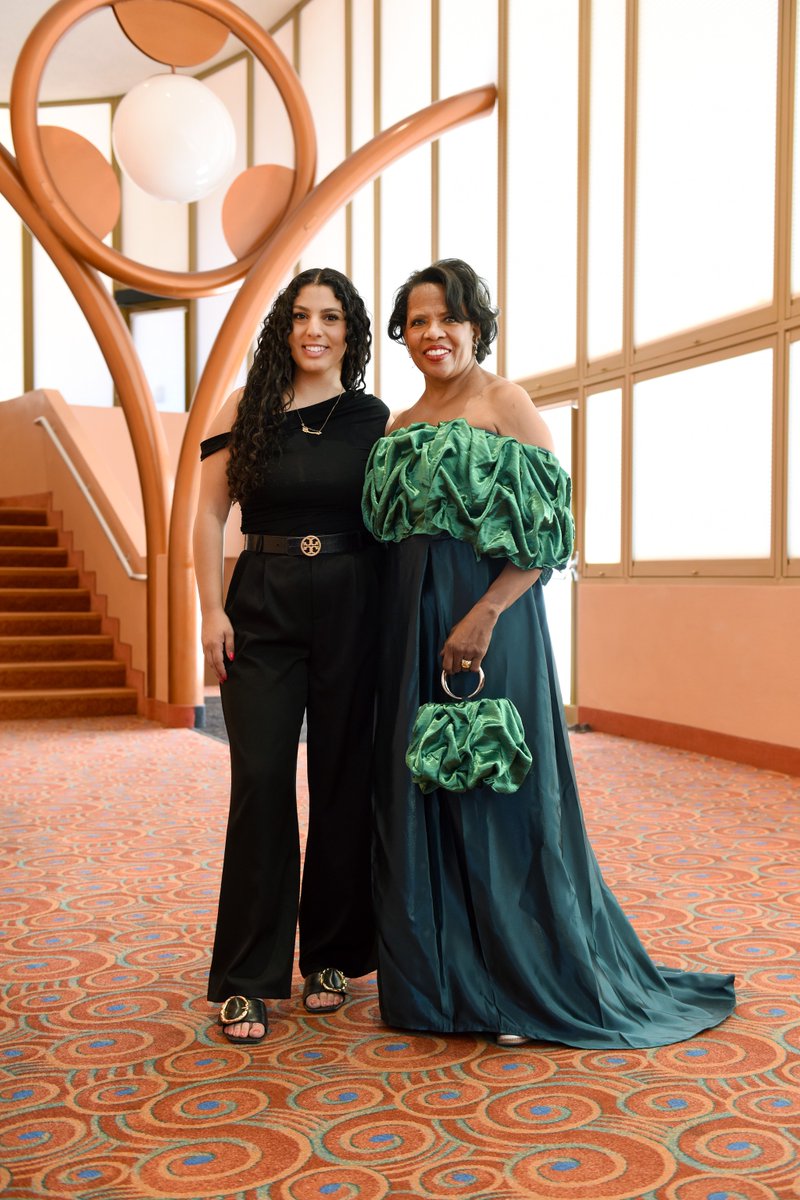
(507, 499)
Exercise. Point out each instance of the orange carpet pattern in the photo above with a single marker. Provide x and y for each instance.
(116, 1085)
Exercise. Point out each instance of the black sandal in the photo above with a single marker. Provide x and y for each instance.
(326, 980)
(242, 1008)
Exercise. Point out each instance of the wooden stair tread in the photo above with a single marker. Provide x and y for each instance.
(14, 514)
(37, 576)
(46, 672)
(61, 693)
(56, 647)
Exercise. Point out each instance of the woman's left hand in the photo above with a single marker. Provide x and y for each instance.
(469, 640)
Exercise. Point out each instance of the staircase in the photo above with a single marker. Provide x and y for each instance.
(54, 660)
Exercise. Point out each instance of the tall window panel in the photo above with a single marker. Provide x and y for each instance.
(11, 309)
(559, 591)
(272, 130)
(211, 249)
(467, 216)
(606, 178)
(159, 336)
(66, 356)
(795, 263)
(603, 478)
(322, 71)
(405, 187)
(540, 317)
(362, 130)
(702, 461)
(793, 525)
(705, 161)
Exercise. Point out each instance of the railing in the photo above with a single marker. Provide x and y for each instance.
(104, 525)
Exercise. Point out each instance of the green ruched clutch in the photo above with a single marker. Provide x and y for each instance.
(463, 746)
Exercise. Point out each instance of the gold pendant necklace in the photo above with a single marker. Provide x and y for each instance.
(317, 432)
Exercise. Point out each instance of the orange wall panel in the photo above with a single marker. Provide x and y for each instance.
(721, 656)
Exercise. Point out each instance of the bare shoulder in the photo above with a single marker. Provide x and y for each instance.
(227, 414)
(400, 420)
(516, 415)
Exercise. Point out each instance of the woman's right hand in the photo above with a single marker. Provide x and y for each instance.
(217, 636)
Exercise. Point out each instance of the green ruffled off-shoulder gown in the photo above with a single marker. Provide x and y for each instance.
(492, 912)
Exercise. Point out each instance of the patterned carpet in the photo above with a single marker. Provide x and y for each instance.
(116, 1085)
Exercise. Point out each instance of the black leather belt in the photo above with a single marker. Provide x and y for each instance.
(311, 545)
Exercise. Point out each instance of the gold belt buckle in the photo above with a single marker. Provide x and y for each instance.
(310, 545)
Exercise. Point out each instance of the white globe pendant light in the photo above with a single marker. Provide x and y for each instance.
(173, 137)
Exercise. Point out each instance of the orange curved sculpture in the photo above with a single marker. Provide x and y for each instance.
(28, 185)
(147, 434)
(24, 98)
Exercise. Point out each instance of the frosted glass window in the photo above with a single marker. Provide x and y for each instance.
(155, 232)
(66, 356)
(702, 461)
(230, 85)
(468, 215)
(210, 312)
(795, 265)
(794, 453)
(160, 340)
(11, 323)
(705, 161)
(362, 129)
(272, 130)
(559, 590)
(540, 317)
(603, 474)
(405, 247)
(322, 71)
(405, 58)
(606, 178)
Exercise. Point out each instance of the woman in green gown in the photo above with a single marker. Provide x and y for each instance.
(493, 914)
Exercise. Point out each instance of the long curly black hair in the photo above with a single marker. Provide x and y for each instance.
(269, 389)
(465, 293)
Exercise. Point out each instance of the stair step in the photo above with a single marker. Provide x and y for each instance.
(33, 556)
(69, 702)
(28, 535)
(44, 600)
(97, 646)
(38, 577)
(14, 515)
(23, 624)
(80, 673)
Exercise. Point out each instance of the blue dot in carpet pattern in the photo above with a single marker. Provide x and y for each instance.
(101, 1042)
(510, 1066)
(312, 1054)
(32, 1135)
(776, 1012)
(541, 1110)
(125, 1091)
(448, 1095)
(89, 1173)
(565, 1164)
(397, 1046)
(382, 1137)
(781, 1103)
(344, 1097)
(197, 1160)
(739, 1145)
(208, 1105)
(616, 1059)
(463, 1177)
(696, 1053)
(328, 1189)
(22, 1094)
(718, 1196)
(675, 1102)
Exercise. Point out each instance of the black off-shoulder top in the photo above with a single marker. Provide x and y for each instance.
(315, 485)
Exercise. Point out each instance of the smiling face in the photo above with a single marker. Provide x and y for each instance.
(318, 339)
(439, 341)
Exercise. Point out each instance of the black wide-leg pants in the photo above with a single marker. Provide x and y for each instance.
(305, 631)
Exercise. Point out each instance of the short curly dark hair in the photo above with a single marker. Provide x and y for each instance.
(255, 437)
(465, 293)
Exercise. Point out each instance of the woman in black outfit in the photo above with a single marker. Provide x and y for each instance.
(296, 633)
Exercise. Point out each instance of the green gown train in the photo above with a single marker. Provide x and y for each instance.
(492, 912)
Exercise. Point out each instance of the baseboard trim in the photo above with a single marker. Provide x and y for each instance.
(769, 755)
(175, 716)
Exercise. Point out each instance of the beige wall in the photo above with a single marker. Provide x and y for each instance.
(720, 656)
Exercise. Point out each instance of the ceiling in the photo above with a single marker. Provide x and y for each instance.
(95, 58)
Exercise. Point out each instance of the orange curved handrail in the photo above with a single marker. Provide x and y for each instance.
(277, 256)
(114, 340)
